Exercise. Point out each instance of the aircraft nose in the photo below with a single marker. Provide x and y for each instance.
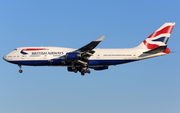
(5, 58)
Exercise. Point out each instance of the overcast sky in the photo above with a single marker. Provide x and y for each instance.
(148, 86)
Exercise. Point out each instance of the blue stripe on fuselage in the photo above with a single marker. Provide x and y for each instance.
(58, 62)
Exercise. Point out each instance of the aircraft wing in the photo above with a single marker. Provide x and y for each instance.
(82, 53)
(91, 45)
(79, 58)
(87, 50)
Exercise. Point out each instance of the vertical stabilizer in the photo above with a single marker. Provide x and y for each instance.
(158, 38)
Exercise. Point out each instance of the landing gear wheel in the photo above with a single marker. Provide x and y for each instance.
(20, 71)
(75, 71)
(82, 73)
(88, 71)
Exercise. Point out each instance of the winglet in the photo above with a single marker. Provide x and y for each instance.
(100, 39)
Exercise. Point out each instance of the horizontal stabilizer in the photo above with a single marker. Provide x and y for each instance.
(157, 50)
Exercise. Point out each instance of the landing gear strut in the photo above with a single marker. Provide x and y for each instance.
(20, 70)
(74, 68)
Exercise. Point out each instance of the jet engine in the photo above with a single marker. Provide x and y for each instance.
(100, 68)
(73, 56)
(70, 69)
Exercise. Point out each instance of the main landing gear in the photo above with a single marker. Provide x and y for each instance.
(20, 70)
(84, 70)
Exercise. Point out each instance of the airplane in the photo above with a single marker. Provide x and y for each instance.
(86, 58)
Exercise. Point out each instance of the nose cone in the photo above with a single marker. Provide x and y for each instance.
(5, 58)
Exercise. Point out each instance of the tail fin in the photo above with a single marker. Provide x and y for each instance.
(158, 38)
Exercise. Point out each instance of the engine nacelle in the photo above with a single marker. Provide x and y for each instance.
(73, 56)
(100, 68)
(70, 69)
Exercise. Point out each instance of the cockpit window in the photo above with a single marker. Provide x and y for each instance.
(15, 49)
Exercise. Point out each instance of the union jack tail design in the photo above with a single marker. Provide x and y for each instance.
(158, 38)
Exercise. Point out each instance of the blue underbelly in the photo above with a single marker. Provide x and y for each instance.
(58, 62)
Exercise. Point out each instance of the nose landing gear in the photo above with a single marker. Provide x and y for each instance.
(20, 70)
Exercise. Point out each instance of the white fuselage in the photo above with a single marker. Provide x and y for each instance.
(50, 55)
